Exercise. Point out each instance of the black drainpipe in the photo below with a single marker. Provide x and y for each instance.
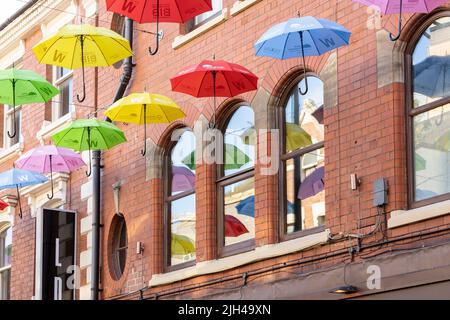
(96, 173)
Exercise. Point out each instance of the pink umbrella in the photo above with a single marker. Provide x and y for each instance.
(400, 6)
(183, 179)
(49, 159)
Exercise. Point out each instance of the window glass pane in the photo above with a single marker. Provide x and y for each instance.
(240, 140)
(5, 283)
(304, 116)
(305, 203)
(183, 230)
(432, 153)
(217, 6)
(61, 72)
(66, 96)
(239, 211)
(6, 248)
(120, 247)
(183, 164)
(431, 64)
(10, 118)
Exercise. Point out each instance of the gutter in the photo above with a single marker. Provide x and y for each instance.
(17, 14)
(96, 173)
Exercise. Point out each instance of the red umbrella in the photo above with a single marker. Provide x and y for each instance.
(3, 205)
(212, 78)
(146, 11)
(234, 227)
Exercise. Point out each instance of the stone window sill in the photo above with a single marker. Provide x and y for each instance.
(240, 6)
(50, 128)
(404, 217)
(260, 253)
(10, 152)
(183, 39)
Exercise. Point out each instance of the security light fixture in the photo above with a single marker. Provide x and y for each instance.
(346, 289)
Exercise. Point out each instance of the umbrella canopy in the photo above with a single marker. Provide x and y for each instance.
(234, 227)
(3, 205)
(296, 137)
(89, 134)
(432, 77)
(318, 114)
(214, 78)
(400, 6)
(144, 11)
(49, 159)
(247, 207)
(312, 185)
(183, 179)
(80, 46)
(143, 108)
(234, 158)
(182, 245)
(17, 178)
(18, 87)
(419, 162)
(302, 37)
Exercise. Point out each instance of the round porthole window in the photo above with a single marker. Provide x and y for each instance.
(119, 247)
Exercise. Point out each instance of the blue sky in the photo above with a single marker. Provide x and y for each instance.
(9, 8)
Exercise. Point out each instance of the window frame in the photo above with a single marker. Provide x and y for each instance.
(285, 156)
(5, 269)
(222, 181)
(57, 82)
(411, 112)
(116, 248)
(191, 25)
(168, 200)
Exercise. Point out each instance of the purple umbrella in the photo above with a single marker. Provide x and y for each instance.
(183, 179)
(49, 159)
(318, 114)
(400, 6)
(312, 185)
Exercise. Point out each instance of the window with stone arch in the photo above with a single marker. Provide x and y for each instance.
(428, 108)
(5, 260)
(180, 206)
(302, 171)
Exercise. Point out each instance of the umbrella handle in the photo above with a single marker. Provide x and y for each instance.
(12, 135)
(152, 53)
(144, 152)
(399, 32)
(20, 204)
(304, 67)
(50, 197)
(82, 98)
(89, 173)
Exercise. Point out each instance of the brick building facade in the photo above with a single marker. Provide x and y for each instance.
(367, 122)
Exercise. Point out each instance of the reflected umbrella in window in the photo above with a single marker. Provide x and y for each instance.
(81, 46)
(419, 162)
(3, 205)
(400, 7)
(145, 108)
(235, 158)
(432, 77)
(181, 245)
(88, 135)
(19, 87)
(318, 114)
(156, 11)
(183, 179)
(214, 78)
(50, 159)
(300, 38)
(17, 178)
(247, 207)
(234, 227)
(296, 137)
(312, 185)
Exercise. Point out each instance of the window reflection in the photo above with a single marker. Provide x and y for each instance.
(183, 230)
(183, 164)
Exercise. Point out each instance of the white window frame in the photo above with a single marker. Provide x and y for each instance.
(202, 18)
(7, 268)
(57, 82)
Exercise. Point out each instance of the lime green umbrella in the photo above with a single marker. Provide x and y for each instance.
(89, 134)
(419, 162)
(235, 158)
(18, 87)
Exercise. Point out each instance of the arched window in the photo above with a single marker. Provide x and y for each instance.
(428, 103)
(119, 246)
(236, 184)
(302, 202)
(5, 261)
(180, 210)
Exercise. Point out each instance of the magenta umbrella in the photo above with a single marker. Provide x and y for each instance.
(400, 6)
(183, 179)
(49, 159)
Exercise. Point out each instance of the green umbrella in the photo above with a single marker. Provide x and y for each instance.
(18, 87)
(89, 134)
(419, 162)
(235, 158)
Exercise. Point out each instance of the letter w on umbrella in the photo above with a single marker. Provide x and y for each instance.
(130, 6)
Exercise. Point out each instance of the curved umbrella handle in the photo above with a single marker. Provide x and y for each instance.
(144, 151)
(399, 31)
(304, 67)
(83, 97)
(12, 135)
(50, 197)
(152, 53)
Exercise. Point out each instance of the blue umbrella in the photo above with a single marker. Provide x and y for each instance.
(432, 77)
(247, 207)
(302, 37)
(16, 178)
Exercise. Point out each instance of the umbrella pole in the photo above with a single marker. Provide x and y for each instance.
(215, 98)
(391, 36)
(88, 174)
(50, 197)
(144, 152)
(14, 112)
(20, 204)
(157, 31)
(80, 100)
(304, 66)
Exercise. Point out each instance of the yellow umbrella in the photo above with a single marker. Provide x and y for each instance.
(100, 47)
(143, 108)
(296, 137)
(181, 245)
